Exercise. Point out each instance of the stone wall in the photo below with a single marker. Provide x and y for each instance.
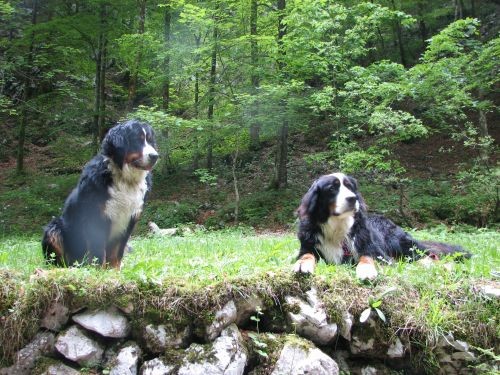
(244, 336)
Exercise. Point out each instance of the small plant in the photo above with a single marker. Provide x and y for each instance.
(373, 304)
(261, 345)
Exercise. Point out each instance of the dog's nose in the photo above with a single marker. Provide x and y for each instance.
(153, 158)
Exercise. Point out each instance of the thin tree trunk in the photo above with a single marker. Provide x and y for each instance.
(473, 8)
(399, 35)
(132, 87)
(196, 156)
(167, 26)
(281, 172)
(483, 131)
(459, 10)
(255, 125)
(236, 190)
(102, 94)
(27, 94)
(211, 95)
(97, 93)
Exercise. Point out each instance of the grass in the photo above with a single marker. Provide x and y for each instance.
(185, 277)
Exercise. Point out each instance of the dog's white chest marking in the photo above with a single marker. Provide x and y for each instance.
(335, 233)
(125, 202)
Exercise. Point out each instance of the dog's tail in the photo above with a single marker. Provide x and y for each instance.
(437, 250)
(52, 243)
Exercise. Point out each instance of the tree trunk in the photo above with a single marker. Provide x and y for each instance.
(211, 94)
(132, 87)
(236, 189)
(196, 156)
(459, 10)
(97, 93)
(473, 8)
(399, 35)
(422, 27)
(167, 26)
(102, 91)
(27, 94)
(483, 131)
(281, 172)
(255, 125)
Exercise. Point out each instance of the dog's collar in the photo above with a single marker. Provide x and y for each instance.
(345, 249)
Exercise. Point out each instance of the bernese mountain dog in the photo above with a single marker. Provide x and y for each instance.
(100, 213)
(335, 226)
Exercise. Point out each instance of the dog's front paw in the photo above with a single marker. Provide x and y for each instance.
(365, 270)
(306, 264)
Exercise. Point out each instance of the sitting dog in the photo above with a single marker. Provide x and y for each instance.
(100, 213)
(335, 226)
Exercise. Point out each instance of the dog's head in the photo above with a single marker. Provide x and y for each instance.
(131, 144)
(331, 195)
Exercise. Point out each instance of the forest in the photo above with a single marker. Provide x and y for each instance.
(253, 99)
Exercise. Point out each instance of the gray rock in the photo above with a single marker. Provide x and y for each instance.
(490, 291)
(60, 369)
(346, 325)
(246, 307)
(157, 367)
(108, 323)
(463, 356)
(56, 317)
(227, 355)
(26, 358)
(76, 346)
(158, 338)
(396, 350)
(299, 359)
(311, 320)
(223, 318)
(127, 360)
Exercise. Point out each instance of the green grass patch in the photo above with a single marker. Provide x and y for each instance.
(179, 278)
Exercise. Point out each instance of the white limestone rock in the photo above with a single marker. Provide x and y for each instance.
(76, 346)
(163, 336)
(60, 369)
(346, 325)
(223, 318)
(298, 359)
(396, 350)
(157, 366)
(108, 323)
(26, 358)
(127, 360)
(56, 317)
(311, 321)
(227, 355)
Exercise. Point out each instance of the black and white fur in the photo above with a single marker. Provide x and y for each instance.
(335, 226)
(101, 212)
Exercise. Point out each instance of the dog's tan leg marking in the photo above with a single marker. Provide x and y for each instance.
(365, 270)
(306, 264)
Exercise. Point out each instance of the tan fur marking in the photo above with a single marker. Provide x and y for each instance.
(112, 258)
(133, 156)
(366, 260)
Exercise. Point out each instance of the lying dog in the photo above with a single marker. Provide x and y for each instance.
(335, 226)
(100, 213)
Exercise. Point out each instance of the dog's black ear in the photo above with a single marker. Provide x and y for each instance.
(309, 204)
(113, 146)
(355, 186)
